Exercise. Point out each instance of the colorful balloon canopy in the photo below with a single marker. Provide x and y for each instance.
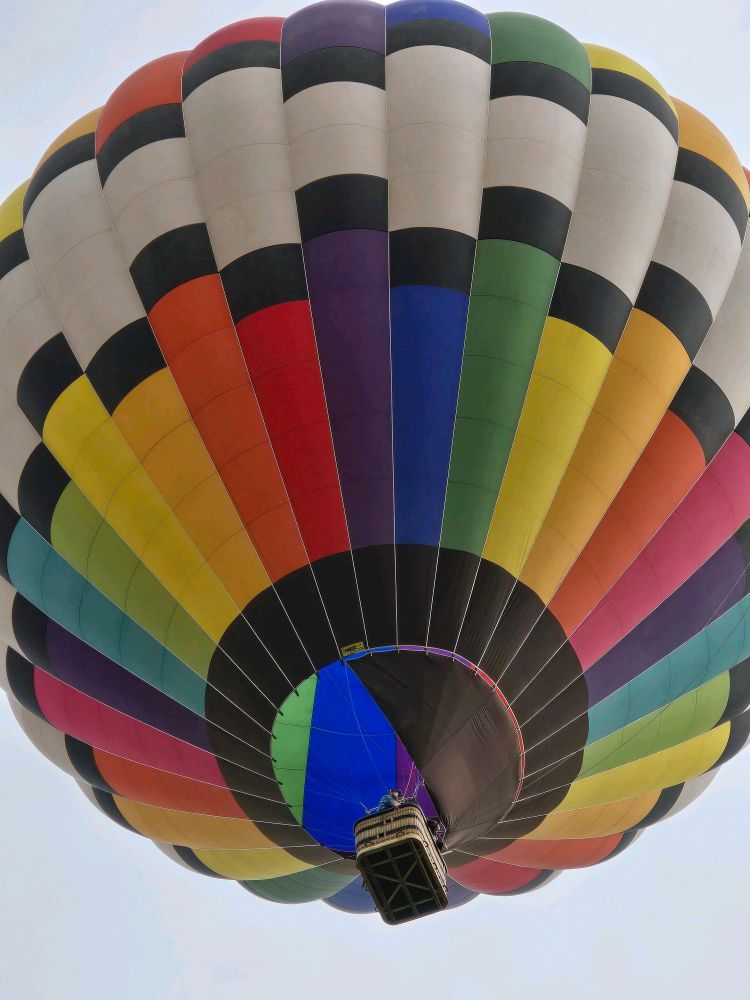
(374, 415)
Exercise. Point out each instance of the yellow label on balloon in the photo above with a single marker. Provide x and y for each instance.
(353, 647)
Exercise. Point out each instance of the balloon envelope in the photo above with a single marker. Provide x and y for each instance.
(374, 394)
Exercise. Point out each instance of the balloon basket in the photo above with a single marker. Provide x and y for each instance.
(400, 864)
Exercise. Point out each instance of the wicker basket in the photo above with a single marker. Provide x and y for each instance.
(400, 864)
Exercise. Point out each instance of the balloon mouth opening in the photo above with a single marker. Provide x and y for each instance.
(337, 750)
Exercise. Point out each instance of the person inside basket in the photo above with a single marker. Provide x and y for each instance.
(392, 799)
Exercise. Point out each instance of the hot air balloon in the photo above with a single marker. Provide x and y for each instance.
(374, 397)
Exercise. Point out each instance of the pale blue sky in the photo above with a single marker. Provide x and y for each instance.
(90, 912)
